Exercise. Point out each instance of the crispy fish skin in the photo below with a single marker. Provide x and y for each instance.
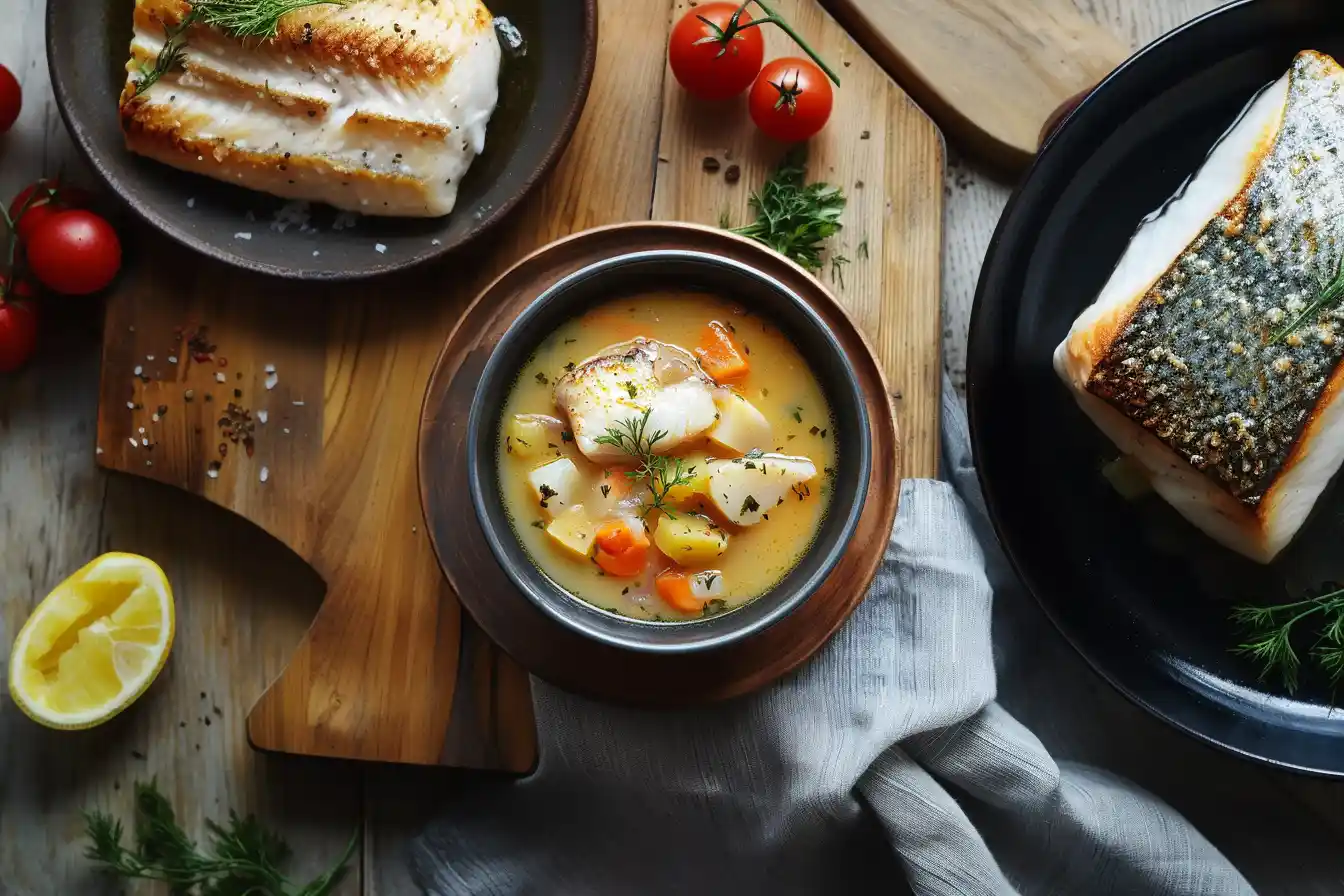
(375, 106)
(1218, 362)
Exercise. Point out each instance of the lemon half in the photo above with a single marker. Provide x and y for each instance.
(94, 644)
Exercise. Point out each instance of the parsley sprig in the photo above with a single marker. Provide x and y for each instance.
(660, 474)
(1270, 632)
(244, 858)
(795, 218)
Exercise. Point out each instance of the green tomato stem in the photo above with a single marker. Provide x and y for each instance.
(774, 18)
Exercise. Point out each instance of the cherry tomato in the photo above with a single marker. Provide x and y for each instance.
(727, 60)
(26, 220)
(74, 252)
(791, 99)
(18, 332)
(11, 99)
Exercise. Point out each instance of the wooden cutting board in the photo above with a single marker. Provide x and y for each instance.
(331, 381)
(991, 72)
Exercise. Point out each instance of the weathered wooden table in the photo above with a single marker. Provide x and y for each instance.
(235, 583)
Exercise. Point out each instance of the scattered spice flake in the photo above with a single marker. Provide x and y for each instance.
(237, 393)
(814, 430)
(380, 248)
(223, 449)
(733, 174)
(219, 377)
(264, 474)
(200, 345)
(262, 416)
(749, 505)
(864, 136)
(242, 236)
(570, 341)
(606, 490)
(224, 362)
(541, 379)
(162, 410)
(709, 165)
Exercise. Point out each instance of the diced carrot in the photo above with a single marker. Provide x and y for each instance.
(675, 588)
(719, 354)
(614, 536)
(622, 549)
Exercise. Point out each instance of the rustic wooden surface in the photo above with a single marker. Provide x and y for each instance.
(1283, 831)
(559, 655)
(989, 71)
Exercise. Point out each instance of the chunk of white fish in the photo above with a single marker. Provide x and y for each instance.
(746, 489)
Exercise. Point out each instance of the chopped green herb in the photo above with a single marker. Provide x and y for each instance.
(862, 250)
(814, 430)
(749, 505)
(798, 415)
(566, 435)
(606, 490)
(541, 379)
(547, 493)
(538, 524)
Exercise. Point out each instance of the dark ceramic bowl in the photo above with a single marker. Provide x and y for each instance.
(541, 96)
(626, 275)
(1141, 593)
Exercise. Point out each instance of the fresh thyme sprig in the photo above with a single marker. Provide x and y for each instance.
(240, 19)
(660, 474)
(1331, 293)
(1270, 631)
(246, 856)
(794, 218)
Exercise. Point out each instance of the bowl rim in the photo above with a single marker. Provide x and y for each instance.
(147, 212)
(576, 621)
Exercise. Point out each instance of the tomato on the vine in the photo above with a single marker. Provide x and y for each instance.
(791, 99)
(74, 252)
(11, 99)
(18, 329)
(712, 56)
(28, 213)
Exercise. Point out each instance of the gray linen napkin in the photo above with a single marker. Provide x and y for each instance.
(884, 763)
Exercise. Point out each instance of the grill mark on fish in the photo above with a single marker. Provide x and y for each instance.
(1197, 363)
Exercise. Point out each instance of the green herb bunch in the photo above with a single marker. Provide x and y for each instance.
(1274, 634)
(244, 857)
(660, 474)
(793, 217)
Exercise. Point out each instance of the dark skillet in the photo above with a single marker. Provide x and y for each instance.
(541, 96)
(1139, 592)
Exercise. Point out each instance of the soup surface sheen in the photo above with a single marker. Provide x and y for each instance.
(755, 487)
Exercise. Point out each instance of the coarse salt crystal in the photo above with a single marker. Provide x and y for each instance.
(242, 236)
(97, 450)
(262, 416)
(138, 370)
(134, 443)
(381, 249)
(142, 430)
(298, 404)
(315, 253)
(219, 377)
(213, 474)
(131, 405)
(436, 242)
(154, 417)
(265, 473)
(191, 203)
(286, 430)
(172, 359)
(271, 379)
(149, 357)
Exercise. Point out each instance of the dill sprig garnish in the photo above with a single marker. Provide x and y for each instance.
(1329, 296)
(792, 217)
(1270, 632)
(660, 474)
(246, 857)
(240, 19)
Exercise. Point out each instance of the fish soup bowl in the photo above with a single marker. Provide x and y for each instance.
(649, 293)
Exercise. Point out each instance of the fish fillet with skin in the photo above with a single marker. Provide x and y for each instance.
(375, 106)
(621, 382)
(1207, 357)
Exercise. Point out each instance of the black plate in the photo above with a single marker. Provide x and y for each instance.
(541, 96)
(1137, 590)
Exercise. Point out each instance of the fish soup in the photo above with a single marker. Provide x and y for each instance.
(666, 457)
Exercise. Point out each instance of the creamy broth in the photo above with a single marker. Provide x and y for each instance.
(538, 432)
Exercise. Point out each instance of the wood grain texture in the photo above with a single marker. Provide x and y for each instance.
(888, 158)
(990, 71)
(557, 653)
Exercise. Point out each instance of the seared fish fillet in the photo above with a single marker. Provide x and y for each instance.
(1209, 356)
(623, 381)
(377, 106)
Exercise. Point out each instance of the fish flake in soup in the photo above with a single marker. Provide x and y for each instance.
(666, 456)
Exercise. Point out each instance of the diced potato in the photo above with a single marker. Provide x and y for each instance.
(573, 531)
(746, 489)
(529, 435)
(699, 484)
(740, 427)
(690, 539)
(558, 485)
